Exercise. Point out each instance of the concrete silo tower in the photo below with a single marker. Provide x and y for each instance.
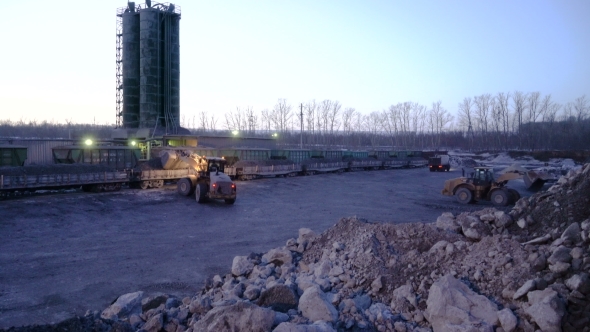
(148, 66)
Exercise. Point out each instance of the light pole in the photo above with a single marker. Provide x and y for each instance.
(301, 116)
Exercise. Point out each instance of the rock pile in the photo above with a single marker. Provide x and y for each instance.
(525, 270)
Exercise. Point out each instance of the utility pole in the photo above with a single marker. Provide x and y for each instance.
(301, 117)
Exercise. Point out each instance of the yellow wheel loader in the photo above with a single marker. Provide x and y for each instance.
(482, 186)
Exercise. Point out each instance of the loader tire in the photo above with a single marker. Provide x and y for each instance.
(185, 187)
(514, 196)
(500, 197)
(201, 192)
(464, 195)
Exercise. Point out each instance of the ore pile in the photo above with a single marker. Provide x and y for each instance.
(525, 270)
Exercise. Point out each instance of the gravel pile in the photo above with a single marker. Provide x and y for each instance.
(526, 269)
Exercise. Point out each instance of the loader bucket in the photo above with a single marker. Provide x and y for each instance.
(534, 181)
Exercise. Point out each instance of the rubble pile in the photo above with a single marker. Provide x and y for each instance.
(489, 270)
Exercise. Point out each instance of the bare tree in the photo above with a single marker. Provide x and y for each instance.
(390, 123)
(236, 120)
(281, 114)
(333, 116)
(266, 119)
(310, 115)
(347, 122)
(502, 101)
(519, 105)
(418, 112)
(483, 110)
(324, 115)
(581, 108)
(466, 118)
(203, 120)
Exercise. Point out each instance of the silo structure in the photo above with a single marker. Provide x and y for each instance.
(151, 66)
(130, 70)
(150, 80)
(174, 71)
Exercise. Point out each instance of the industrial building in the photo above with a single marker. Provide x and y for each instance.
(148, 67)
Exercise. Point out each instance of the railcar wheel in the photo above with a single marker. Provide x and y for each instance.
(144, 184)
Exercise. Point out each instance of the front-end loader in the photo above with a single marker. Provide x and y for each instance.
(209, 182)
(482, 186)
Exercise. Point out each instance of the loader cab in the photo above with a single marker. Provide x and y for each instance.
(215, 165)
(483, 176)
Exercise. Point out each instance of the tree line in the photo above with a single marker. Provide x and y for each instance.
(504, 121)
(514, 120)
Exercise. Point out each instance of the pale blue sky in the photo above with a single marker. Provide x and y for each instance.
(58, 58)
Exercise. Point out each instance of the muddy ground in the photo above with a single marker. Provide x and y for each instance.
(63, 254)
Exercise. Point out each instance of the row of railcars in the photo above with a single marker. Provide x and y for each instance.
(101, 168)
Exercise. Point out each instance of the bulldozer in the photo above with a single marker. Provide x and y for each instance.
(209, 180)
(481, 185)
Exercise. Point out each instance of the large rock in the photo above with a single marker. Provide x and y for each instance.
(278, 256)
(528, 286)
(508, 320)
(124, 306)
(572, 234)
(279, 298)
(561, 254)
(546, 309)
(306, 237)
(315, 327)
(241, 266)
(447, 222)
(241, 316)
(502, 219)
(579, 282)
(473, 228)
(314, 306)
(452, 306)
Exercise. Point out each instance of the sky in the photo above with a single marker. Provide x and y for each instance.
(58, 59)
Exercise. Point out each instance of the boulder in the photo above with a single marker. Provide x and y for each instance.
(200, 305)
(252, 292)
(572, 234)
(546, 309)
(447, 222)
(241, 266)
(278, 256)
(561, 254)
(579, 282)
(306, 237)
(241, 316)
(124, 306)
(508, 320)
(314, 306)
(473, 228)
(278, 298)
(528, 286)
(439, 246)
(502, 219)
(154, 324)
(452, 306)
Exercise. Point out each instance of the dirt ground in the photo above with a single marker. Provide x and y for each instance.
(63, 254)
